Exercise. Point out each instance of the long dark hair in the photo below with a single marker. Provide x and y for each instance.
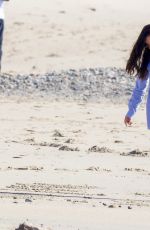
(140, 55)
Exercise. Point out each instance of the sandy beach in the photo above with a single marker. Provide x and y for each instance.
(68, 162)
(73, 168)
(50, 35)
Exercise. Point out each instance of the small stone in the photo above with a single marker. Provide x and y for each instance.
(111, 206)
(104, 204)
(28, 200)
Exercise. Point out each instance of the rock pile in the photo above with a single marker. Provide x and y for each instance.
(86, 84)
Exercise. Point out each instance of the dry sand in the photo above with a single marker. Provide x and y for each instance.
(60, 34)
(70, 165)
(66, 165)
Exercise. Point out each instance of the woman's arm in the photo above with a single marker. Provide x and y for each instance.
(137, 95)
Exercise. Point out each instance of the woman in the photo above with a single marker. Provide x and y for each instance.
(139, 61)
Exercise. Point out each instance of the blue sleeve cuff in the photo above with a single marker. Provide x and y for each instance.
(130, 113)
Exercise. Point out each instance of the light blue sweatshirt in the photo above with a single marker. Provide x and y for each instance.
(137, 96)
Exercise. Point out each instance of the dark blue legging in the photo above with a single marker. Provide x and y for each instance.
(1, 39)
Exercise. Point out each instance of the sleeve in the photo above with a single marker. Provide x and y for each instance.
(137, 95)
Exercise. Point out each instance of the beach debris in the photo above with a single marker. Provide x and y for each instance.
(102, 149)
(26, 227)
(135, 152)
(57, 133)
(67, 148)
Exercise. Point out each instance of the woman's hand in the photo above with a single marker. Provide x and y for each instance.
(127, 121)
